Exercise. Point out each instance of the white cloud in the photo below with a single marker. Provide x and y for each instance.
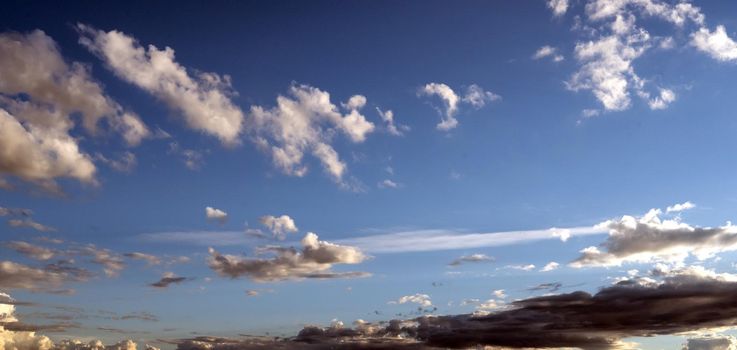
(126, 162)
(215, 214)
(435, 240)
(419, 299)
(499, 293)
(204, 100)
(476, 96)
(35, 140)
(661, 101)
(148, 258)
(528, 267)
(304, 122)
(279, 225)
(717, 43)
(31, 250)
(559, 7)
(388, 184)
(679, 207)
(548, 51)
(392, 128)
(450, 99)
(550, 266)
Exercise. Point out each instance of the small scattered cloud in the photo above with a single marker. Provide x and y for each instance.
(29, 223)
(391, 127)
(168, 279)
(476, 96)
(548, 51)
(422, 300)
(279, 226)
(214, 214)
(473, 258)
(550, 266)
(559, 7)
(387, 183)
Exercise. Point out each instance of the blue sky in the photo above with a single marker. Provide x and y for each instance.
(512, 124)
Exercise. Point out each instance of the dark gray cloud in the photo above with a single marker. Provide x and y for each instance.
(683, 300)
(168, 279)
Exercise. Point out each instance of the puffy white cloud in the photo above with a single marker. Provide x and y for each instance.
(606, 61)
(550, 266)
(475, 95)
(450, 99)
(215, 214)
(679, 207)
(499, 293)
(559, 7)
(279, 225)
(473, 258)
(548, 51)
(35, 141)
(717, 43)
(314, 260)
(419, 299)
(651, 239)
(305, 122)
(203, 100)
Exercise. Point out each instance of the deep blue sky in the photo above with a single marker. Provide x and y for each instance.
(529, 161)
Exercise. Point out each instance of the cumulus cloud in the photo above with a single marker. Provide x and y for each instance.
(167, 279)
(649, 238)
(314, 260)
(716, 44)
(37, 102)
(550, 266)
(391, 127)
(279, 225)
(305, 122)
(679, 207)
(615, 39)
(476, 96)
(204, 100)
(548, 51)
(215, 214)
(422, 300)
(559, 7)
(473, 258)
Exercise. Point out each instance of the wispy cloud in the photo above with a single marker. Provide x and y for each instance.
(433, 240)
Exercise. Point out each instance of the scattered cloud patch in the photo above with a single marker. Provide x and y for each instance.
(214, 214)
(473, 258)
(279, 226)
(548, 51)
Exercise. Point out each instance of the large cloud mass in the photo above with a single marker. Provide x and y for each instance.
(651, 239)
(39, 92)
(204, 100)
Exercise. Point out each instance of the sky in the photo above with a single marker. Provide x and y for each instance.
(368, 174)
